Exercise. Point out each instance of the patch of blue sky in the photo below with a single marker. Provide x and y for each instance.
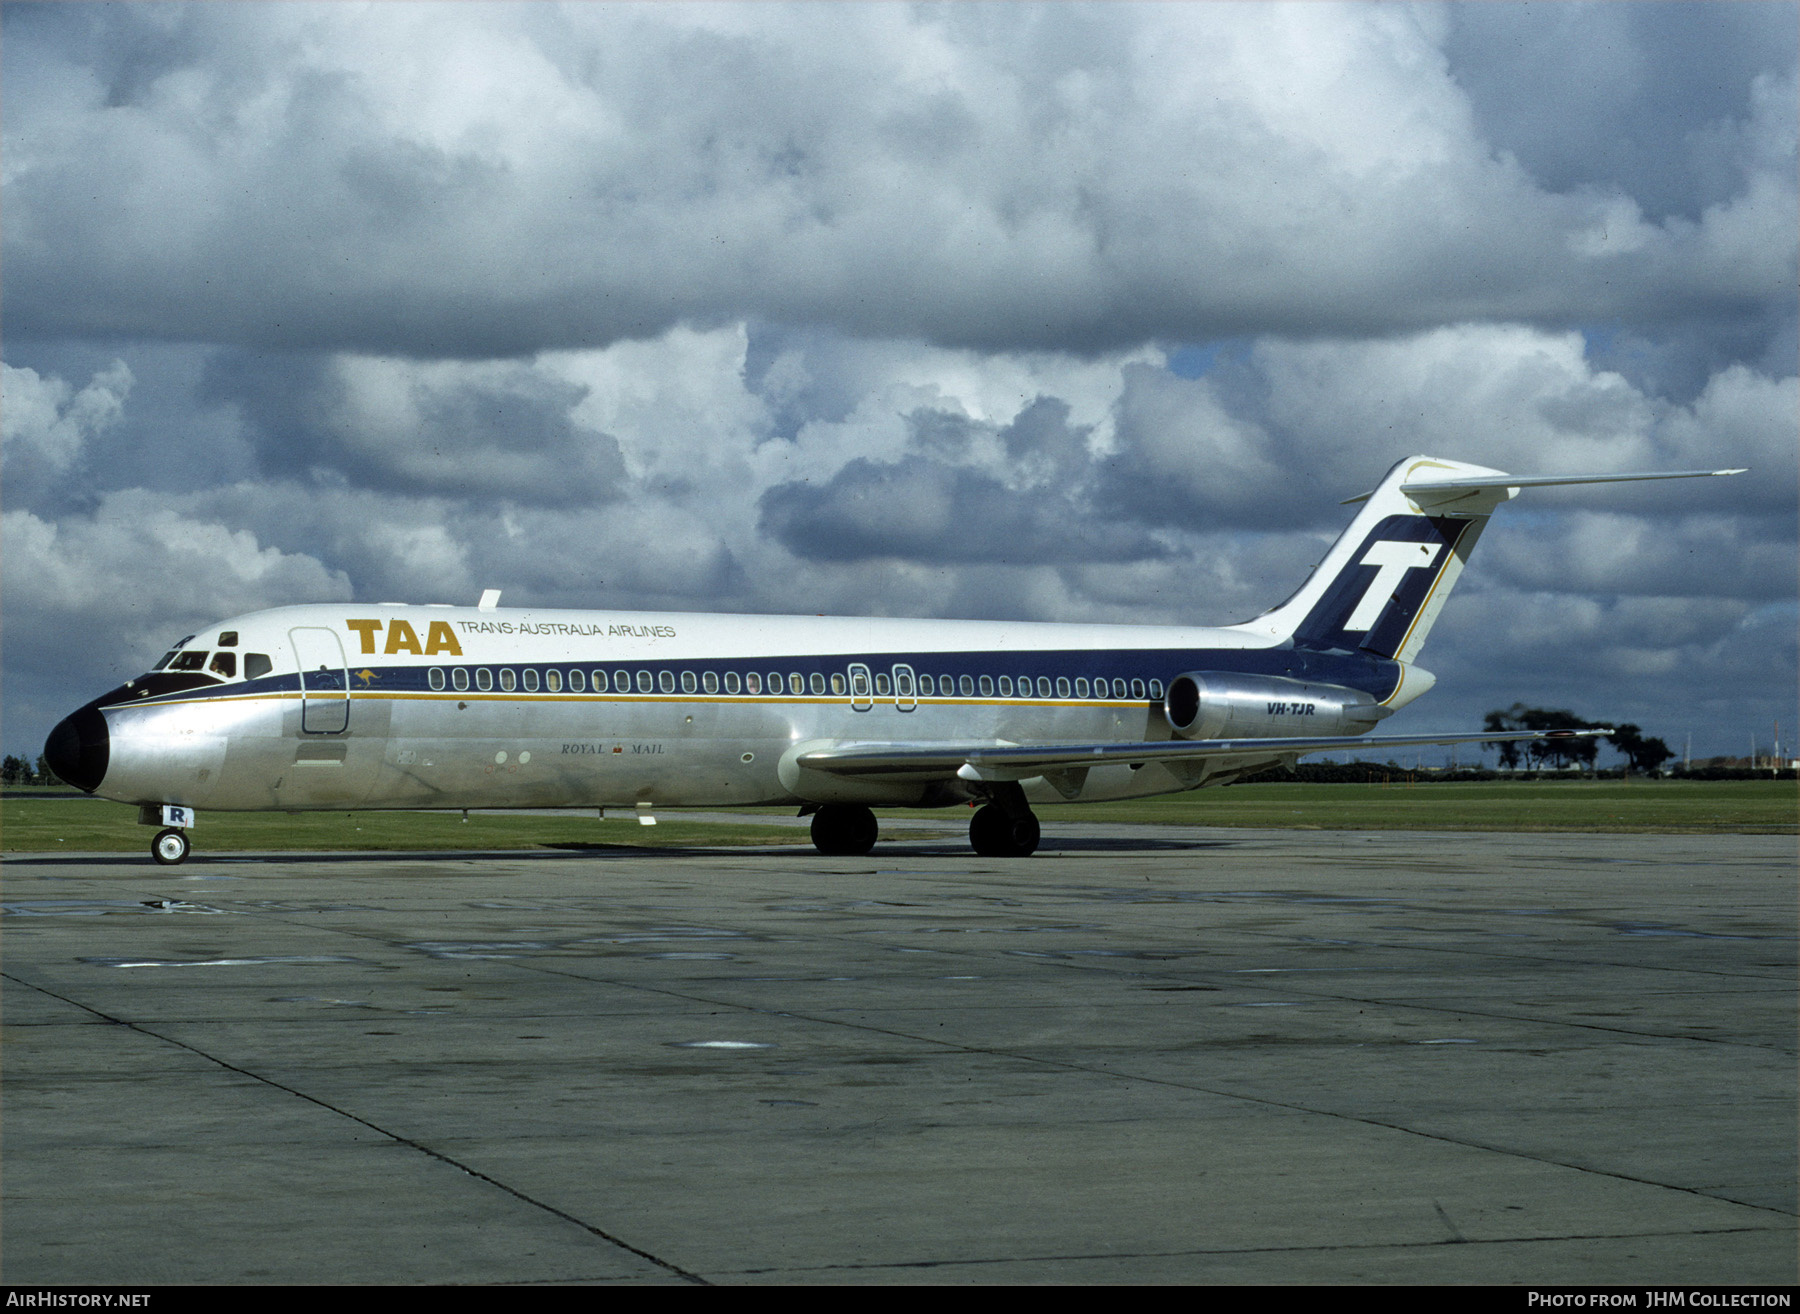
(1192, 360)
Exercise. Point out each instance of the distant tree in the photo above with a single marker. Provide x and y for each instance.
(15, 771)
(1508, 749)
(1560, 752)
(1641, 754)
(1541, 752)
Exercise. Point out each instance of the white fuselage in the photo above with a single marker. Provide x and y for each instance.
(460, 707)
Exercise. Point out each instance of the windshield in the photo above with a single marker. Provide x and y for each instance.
(164, 660)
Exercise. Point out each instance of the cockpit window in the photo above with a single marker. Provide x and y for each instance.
(189, 661)
(257, 665)
(168, 656)
(225, 664)
(228, 639)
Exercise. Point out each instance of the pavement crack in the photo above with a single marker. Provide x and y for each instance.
(394, 1136)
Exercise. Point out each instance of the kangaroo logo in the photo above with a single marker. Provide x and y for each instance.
(1392, 560)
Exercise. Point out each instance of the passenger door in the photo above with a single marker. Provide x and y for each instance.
(324, 681)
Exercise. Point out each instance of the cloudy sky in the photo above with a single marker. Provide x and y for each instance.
(1012, 310)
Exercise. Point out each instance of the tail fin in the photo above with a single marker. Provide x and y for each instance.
(1382, 584)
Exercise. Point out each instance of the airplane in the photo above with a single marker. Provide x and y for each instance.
(391, 706)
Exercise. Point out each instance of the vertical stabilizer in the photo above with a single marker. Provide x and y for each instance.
(1382, 584)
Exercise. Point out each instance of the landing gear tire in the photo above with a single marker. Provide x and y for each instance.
(844, 830)
(996, 835)
(169, 847)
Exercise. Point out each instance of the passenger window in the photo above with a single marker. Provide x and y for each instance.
(435, 678)
(484, 678)
(732, 683)
(1137, 688)
(688, 683)
(753, 683)
(553, 681)
(459, 678)
(577, 682)
(189, 661)
(257, 665)
(1043, 686)
(774, 682)
(709, 683)
(508, 681)
(225, 664)
(1081, 688)
(837, 682)
(599, 681)
(645, 684)
(1118, 688)
(228, 639)
(817, 682)
(622, 682)
(530, 679)
(987, 686)
(1006, 686)
(665, 680)
(966, 683)
(882, 684)
(1156, 689)
(1062, 686)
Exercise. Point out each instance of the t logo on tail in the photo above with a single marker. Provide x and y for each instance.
(1393, 561)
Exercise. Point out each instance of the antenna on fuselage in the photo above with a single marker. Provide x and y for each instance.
(490, 599)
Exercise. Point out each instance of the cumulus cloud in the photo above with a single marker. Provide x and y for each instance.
(44, 430)
(495, 181)
(1025, 311)
(499, 429)
(92, 600)
(1642, 99)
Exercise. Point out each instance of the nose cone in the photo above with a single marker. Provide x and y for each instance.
(79, 748)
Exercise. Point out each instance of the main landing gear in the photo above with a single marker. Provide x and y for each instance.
(995, 834)
(1004, 828)
(844, 829)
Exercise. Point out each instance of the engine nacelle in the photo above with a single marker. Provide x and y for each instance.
(1224, 705)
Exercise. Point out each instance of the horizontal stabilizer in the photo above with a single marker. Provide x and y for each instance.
(1539, 481)
(1546, 481)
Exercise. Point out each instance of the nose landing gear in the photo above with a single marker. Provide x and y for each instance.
(170, 847)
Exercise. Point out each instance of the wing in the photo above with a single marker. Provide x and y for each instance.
(1189, 759)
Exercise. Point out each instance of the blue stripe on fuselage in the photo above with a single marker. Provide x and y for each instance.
(1352, 669)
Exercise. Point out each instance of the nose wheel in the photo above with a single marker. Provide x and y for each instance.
(169, 847)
